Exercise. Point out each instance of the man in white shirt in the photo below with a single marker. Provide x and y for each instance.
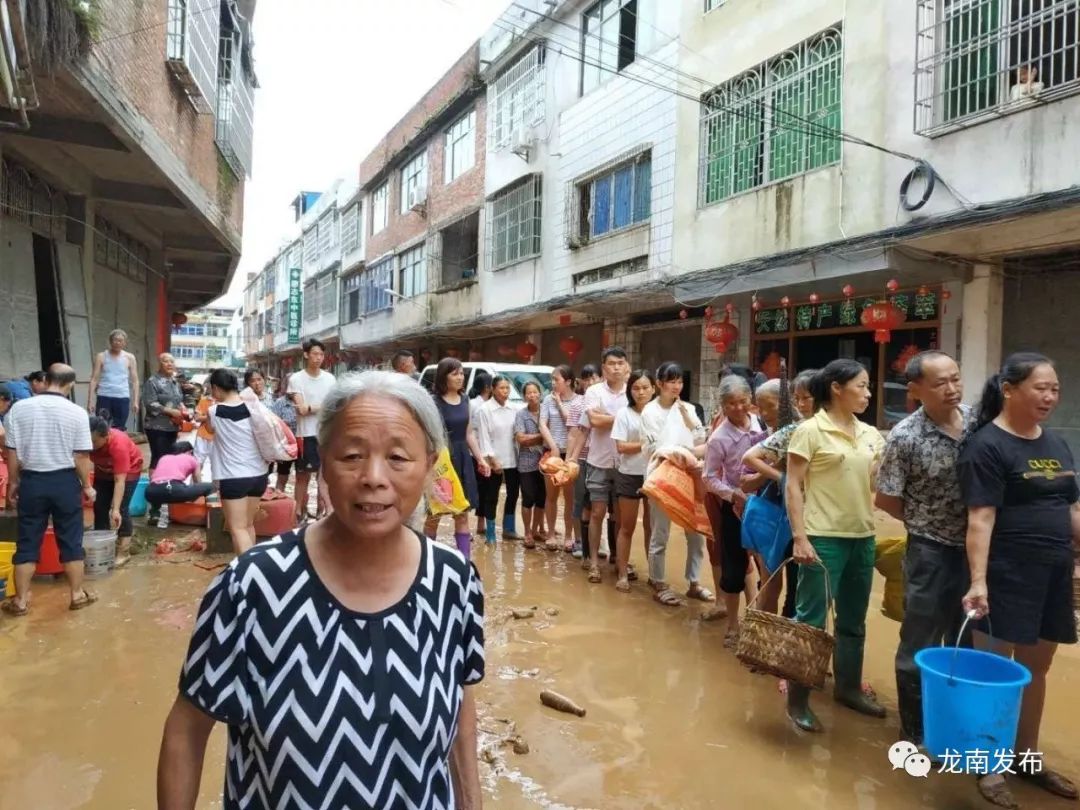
(602, 402)
(48, 456)
(308, 388)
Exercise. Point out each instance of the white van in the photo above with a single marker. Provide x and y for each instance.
(517, 373)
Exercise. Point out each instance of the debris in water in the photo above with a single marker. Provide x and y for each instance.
(488, 755)
(554, 700)
(518, 744)
(523, 613)
(552, 611)
(165, 546)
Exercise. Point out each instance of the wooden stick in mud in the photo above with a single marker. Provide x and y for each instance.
(554, 700)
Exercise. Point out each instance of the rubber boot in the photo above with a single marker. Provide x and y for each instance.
(509, 528)
(798, 708)
(464, 542)
(489, 533)
(847, 672)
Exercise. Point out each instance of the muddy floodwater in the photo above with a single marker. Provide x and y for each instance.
(673, 720)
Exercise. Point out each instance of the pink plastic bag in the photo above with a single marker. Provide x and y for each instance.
(273, 437)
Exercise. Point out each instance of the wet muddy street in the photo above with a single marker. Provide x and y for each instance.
(673, 720)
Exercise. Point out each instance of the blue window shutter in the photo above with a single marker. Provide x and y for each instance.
(624, 194)
(601, 206)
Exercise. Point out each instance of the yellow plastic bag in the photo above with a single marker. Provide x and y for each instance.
(889, 562)
(446, 495)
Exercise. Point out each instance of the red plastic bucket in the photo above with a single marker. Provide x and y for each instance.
(49, 561)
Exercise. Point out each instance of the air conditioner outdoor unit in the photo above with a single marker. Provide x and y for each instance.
(417, 199)
(522, 142)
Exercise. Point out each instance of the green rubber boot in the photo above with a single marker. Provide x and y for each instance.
(847, 671)
(798, 709)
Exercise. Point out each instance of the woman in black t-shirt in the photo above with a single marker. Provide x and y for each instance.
(1019, 484)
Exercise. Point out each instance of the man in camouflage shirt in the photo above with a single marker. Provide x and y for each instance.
(918, 484)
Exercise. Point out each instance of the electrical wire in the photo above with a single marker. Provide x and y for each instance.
(152, 26)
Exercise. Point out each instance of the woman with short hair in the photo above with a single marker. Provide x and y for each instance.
(237, 465)
(530, 442)
(341, 656)
(118, 463)
(1018, 479)
(831, 465)
(453, 405)
(254, 379)
(631, 466)
(554, 416)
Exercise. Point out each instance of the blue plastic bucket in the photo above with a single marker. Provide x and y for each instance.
(971, 701)
(138, 505)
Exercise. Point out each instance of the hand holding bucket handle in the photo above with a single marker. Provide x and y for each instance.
(976, 600)
(968, 616)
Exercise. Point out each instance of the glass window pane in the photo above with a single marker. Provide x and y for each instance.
(624, 204)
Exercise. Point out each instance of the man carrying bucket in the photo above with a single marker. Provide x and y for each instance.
(48, 451)
(918, 484)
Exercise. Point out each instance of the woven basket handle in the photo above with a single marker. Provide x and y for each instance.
(831, 606)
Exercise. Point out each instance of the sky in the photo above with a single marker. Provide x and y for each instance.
(334, 76)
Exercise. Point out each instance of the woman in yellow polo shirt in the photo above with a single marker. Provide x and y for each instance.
(832, 460)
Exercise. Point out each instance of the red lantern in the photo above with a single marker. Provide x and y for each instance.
(945, 296)
(882, 316)
(179, 319)
(455, 353)
(848, 291)
(722, 334)
(564, 320)
(526, 351)
(729, 307)
(892, 285)
(785, 302)
(571, 346)
(683, 314)
(815, 299)
(506, 350)
(755, 304)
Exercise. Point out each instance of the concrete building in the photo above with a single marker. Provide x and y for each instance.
(423, 187)
(201, 344)
(125, 140)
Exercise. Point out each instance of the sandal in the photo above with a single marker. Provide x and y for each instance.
(569, 547)
(669, 598)
(13, 608)
(594, 574)
(623, 585)
(85, 600)
(1051, 782)
(551, 545)
(631, 574)
(998, 794)
(700, 592)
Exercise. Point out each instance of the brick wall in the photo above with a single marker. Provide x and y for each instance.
(132, 53)
(445, 203)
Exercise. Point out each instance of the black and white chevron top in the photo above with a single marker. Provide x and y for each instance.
(328, 708)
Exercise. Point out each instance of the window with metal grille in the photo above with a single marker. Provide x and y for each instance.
(414, 181)
(616, 199)
(326, 289)
(379, 205)
(311, 247)
(327, 232)
(608, 41)
(516, 98)
(460, 152)
(311, 303)
(979, 58)
(350, 229)
(371, 287)
(515, 222)
(773, 122)
(412, 272)
(192, 44)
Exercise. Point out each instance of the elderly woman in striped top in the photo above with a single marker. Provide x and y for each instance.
(554, 416)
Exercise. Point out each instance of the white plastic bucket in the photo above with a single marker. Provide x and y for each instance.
(100, 549)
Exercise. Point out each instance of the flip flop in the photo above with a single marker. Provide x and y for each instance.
(86, 600)
(623, 585)
(12, 608)
(594, 575)
(668, 598)
(1051, 782)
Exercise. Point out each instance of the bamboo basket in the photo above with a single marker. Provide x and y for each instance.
(773, 645)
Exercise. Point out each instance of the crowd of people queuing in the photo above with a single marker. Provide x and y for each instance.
(988, 496)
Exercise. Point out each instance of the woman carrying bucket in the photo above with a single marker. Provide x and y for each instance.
(831, 462)
(1019, 483)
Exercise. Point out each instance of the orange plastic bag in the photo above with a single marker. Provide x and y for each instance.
(559, 472)
(446, 495)
(675, 491)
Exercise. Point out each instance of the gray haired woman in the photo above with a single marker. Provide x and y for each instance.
(315, 648)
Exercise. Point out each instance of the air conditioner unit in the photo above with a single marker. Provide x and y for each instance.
(522, 142)
(417, 198)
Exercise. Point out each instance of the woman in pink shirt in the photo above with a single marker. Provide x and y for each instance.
(169, 482)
